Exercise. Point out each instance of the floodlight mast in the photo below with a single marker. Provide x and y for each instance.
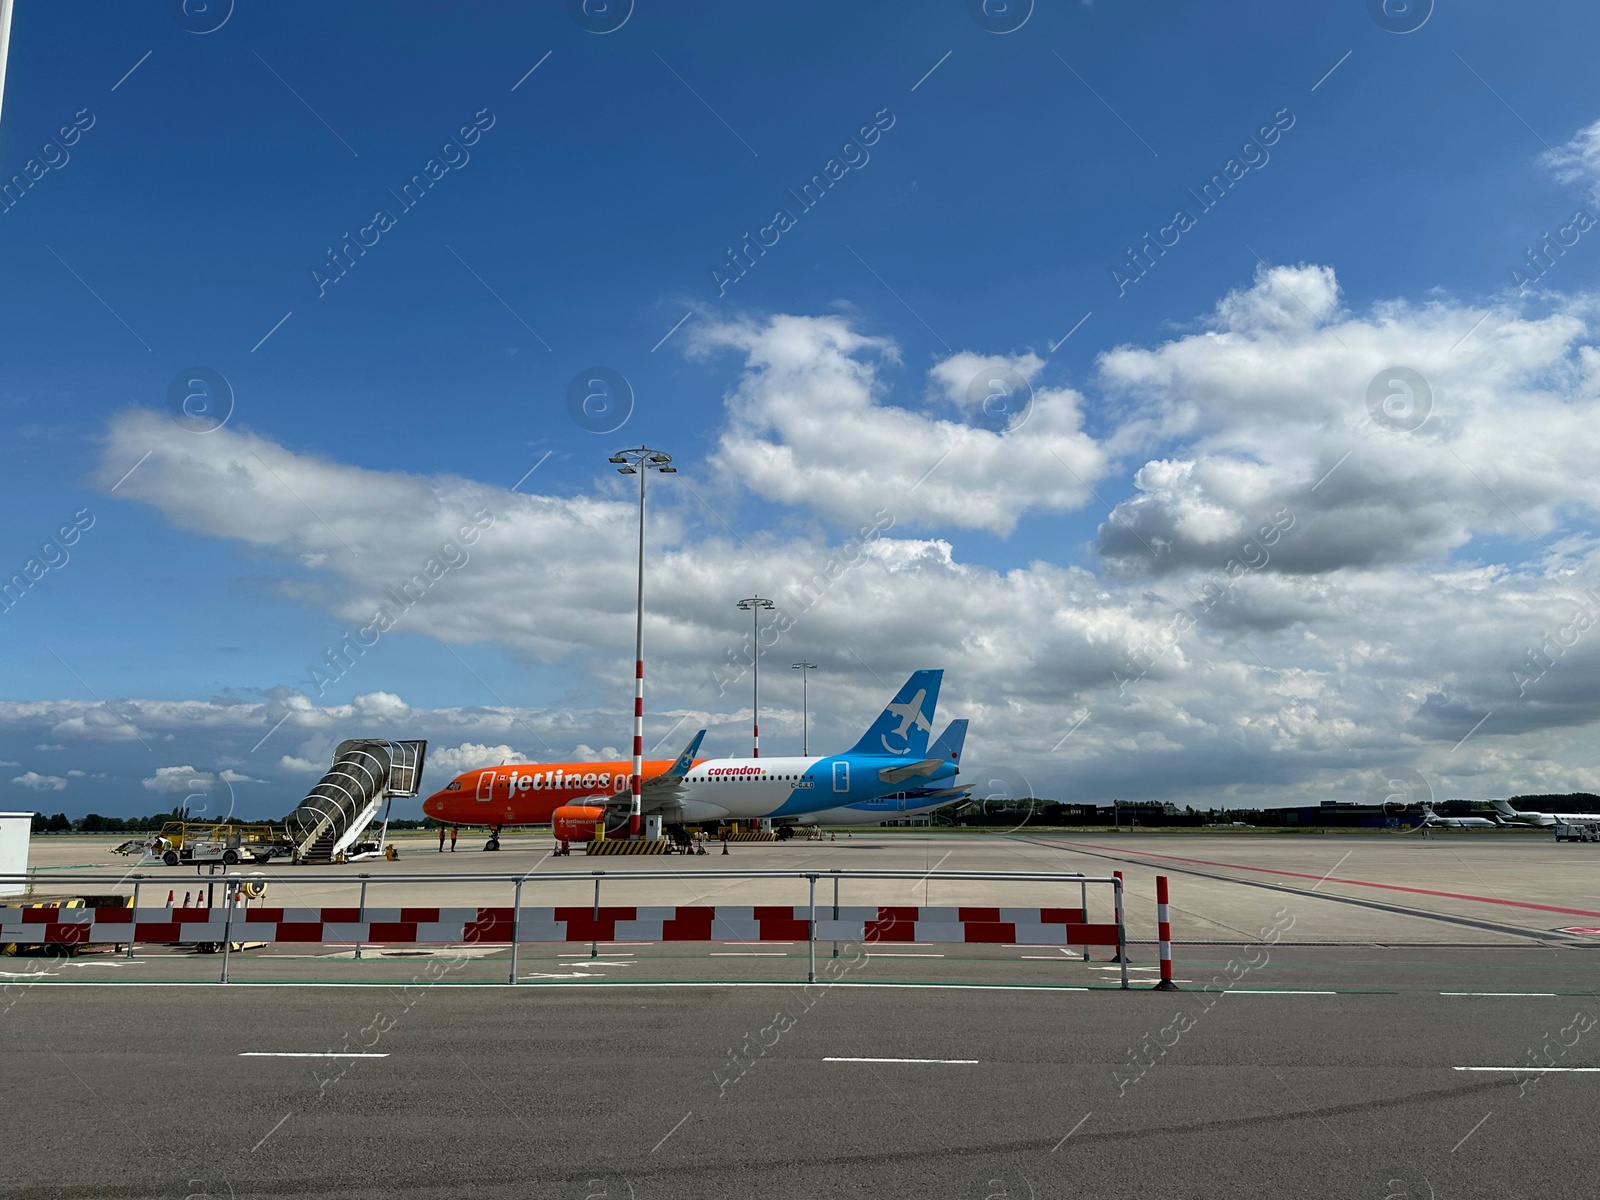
(805, 704)
(755, 604)
(640, 461)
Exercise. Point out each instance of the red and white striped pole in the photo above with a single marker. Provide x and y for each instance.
(636, 780)
(1164, 936)
(1118, 896)
(641, 461)
(755, 604)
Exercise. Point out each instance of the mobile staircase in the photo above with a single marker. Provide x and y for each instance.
(366, 774)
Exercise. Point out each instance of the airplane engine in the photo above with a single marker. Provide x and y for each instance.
(576, 822)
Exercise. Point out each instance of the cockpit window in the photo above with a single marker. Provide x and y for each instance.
(453, 786)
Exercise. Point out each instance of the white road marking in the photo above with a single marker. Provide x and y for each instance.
(749, 954)
(1273, 992)
(943, 1061)
(1497, 993)
(299, 1054)
(891, 955)
(1563, 1070)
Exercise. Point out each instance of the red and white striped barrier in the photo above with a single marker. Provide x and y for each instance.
(1164, 936)
(685, 923)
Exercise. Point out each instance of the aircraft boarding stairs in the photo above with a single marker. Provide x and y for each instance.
(366, 773)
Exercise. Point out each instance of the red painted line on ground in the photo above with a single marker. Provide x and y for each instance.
(1388, 887)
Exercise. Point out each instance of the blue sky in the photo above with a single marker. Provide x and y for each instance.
(584, 224)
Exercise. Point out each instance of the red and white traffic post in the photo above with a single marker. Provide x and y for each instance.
(1117, 897)
(1164, 936)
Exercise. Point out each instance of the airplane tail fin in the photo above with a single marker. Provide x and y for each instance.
(949, 745)
(680, 765)
(904, 726)
(1503, 807)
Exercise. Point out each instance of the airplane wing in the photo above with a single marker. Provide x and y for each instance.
(667, 787)
(926, 766)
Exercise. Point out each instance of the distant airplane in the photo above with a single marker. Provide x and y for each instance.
(1432, 820)
(1542, 819)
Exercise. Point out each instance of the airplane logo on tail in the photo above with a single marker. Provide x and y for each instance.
(911, 717)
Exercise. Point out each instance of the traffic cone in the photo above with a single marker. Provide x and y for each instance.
(186, 899)
(170, 896)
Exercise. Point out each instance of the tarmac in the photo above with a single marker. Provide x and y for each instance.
(1330, 1060)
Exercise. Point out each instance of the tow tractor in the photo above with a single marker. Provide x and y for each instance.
(184, 843)
(1578, 831)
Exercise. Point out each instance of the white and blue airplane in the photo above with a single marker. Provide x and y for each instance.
(911, 801)
(892, 753)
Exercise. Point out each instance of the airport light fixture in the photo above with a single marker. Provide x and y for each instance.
(640, 461)
(755, 604)
(803, 666)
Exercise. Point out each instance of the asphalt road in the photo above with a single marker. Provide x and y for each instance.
(559, 1091)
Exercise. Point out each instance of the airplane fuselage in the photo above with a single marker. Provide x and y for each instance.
(529, 793)
(750, 788)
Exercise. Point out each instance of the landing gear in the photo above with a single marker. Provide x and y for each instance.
(494, 839)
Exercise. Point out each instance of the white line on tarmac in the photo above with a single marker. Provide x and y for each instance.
(749, 954)
(1532, 1070)
(1497, 993)
(1273, 992)
(290, 1054)
(945, 1061)
(880, 954)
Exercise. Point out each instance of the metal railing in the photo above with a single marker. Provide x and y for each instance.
(234, 880)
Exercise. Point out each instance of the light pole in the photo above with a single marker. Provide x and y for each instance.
(755, 604)
(640, 461)
(803, 666)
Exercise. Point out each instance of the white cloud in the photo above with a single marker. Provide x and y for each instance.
(49, 746)
(302, 766)
(449, 761)
(808, 424)
(231, 776)
(40, 783)
(74, 774)
(1578, 161)
(1268, 409)
(179, 780)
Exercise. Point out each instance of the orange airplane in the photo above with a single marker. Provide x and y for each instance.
(552, 793)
